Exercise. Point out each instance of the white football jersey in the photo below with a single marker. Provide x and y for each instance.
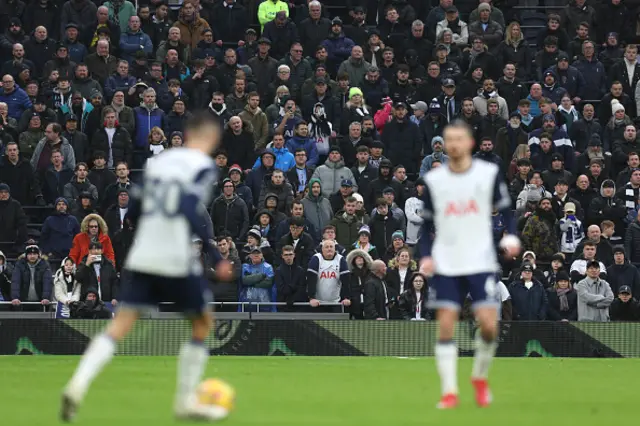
(460, 206)
(176, 186)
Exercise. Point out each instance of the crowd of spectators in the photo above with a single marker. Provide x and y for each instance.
(330, 113)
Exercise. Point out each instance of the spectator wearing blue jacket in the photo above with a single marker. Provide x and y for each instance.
(58, 230)
(148, 115)
(301, 139)
(560, 139)
(133, 40)
(337, 45)
(284, 159)
(568, 77)
(257, 284)
(528, 296)
(120, 80)
(16, 99)
(593, 72)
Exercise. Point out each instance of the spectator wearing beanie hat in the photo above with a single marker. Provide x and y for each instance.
(58, 230)
(623, 273)
(27, 286)
(563, 300)
(364, 242)
(236, 175)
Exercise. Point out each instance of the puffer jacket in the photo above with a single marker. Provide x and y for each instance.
(80, 246)
(61, 289)
(21, 279)
(121, 147)
(331, 174)
(594, 298)
(284, 192)
(347, 228)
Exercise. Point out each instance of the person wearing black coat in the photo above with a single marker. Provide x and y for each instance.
(359, 273)
(607, 206)
(99, 175)
(622, 273)
(91, 307)
(378, 296)
(200, 87)
(290, 281)
(625, 307)
(229, 213)
(237, 140)
(42, 276)
(22, 180)
(563, 300)
(120, 148)
(413, 301)
(230, 21)
(304, 246)
(13, 222)
(528, 297)
(368, 173)
(383, 225)
(378, 185)
(122, 242)
(86, 275)
(114, 215)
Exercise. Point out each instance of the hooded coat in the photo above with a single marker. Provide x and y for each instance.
(284, 192)
(358, 279)
(80, 245)
(317, 210)
(331, 174)
(64, 284)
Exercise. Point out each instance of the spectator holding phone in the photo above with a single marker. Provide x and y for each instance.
(97, 272)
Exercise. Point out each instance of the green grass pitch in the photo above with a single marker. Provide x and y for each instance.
(301, 391)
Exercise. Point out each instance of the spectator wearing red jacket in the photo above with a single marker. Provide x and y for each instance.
(93, 227)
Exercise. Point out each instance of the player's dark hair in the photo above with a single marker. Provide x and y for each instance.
(122, 162)
(631, 154)
(381, 202)
(590, 243)
(287, 248)
(199, 120)
(524, 102)
(78, 165)
(362, 148)
(461, 124)
(296, 202)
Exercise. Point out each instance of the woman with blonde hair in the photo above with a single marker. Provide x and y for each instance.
(354, 110)
(515, 49)
(157, 141)
(522, 151)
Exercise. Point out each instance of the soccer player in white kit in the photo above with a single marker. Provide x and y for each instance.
(163, 266)
(458, 202)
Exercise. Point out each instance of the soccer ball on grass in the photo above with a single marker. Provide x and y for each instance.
(216, 392)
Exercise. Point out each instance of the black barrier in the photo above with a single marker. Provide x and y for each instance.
(324, 338)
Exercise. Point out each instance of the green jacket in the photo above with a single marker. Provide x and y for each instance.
(540, 238)
(346, 229)
(28, 141)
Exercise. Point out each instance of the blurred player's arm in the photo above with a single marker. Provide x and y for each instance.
(428, 228)
(510, 243)
(345, 281)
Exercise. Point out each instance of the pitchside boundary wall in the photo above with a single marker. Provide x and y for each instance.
(323, 338)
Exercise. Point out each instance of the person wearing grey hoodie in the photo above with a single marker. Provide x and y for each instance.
(317, 208)
(333, 172)
(594, 295)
